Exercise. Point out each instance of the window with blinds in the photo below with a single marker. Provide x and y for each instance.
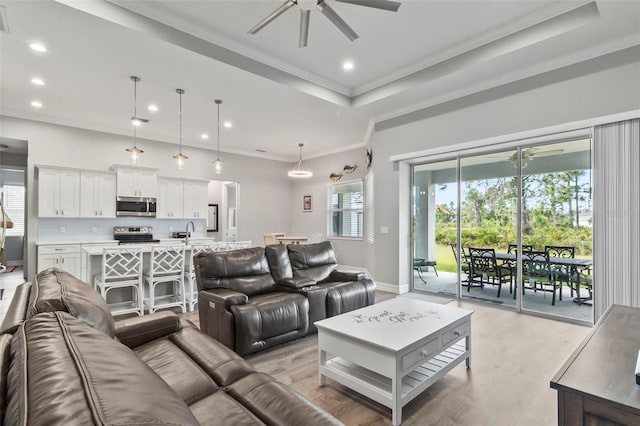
(346, 210)
(13, 202)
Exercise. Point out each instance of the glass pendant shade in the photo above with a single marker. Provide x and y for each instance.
(299, 171)
(180, 160)
(218, 166)
(135, 154)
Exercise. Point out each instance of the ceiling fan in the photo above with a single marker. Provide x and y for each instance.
(322, 6)
(529, 154)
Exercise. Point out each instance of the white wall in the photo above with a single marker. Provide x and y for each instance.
(558, 99)
(305, 223)
(265, 188)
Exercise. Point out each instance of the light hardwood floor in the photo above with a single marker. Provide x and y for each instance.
(513, 359)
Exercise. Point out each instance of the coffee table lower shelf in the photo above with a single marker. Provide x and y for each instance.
(379, 387)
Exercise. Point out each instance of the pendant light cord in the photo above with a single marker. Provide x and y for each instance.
(180, 92)
(218, 101)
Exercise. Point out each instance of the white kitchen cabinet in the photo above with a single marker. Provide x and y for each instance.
(65, 256)
(97, 195)
(196, 200)
(169, 202)
(135, 182)
(58, 192)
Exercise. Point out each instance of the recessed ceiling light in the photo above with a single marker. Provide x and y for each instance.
(347, 65)
(38, 47)
(36, 104)
(204, 136)
(153, 107)
(228, 124)
(37, 81)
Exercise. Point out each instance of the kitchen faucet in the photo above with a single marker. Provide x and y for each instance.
(193, 229)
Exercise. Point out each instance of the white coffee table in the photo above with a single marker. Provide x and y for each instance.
(394, 350)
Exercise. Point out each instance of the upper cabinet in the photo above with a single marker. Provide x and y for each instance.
(97, 194)
(182, 199)
(58, 192)
(169, 203)
(196, 196)
(136, 182)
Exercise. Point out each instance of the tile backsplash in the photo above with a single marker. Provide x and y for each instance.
(79, 229)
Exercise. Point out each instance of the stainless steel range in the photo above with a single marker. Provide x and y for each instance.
(134, 234)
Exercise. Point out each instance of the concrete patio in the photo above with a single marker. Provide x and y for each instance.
(445, 285)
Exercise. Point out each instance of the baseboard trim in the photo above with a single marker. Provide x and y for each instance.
(389, 288)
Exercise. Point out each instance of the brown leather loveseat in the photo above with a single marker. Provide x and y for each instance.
(255, 298)
(64, 361)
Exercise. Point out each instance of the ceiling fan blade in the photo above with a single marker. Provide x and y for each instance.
(336, 20)
(279, 11)
(304, 27)
(391, 6)
(550, 152)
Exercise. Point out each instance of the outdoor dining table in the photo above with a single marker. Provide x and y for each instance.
(576, 264)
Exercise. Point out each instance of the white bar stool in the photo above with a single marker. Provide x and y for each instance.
(122, 268)
(167, 265)
(190, 274)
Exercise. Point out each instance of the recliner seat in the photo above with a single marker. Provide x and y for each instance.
(256, 298)
(240, 305)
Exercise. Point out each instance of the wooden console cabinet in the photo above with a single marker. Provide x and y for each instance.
(596, 386)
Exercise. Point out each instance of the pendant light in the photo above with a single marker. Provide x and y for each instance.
(180, 157)
(299, 171)
(136, 122)
(218, 163)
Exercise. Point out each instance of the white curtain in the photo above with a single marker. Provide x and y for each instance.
(616, 215)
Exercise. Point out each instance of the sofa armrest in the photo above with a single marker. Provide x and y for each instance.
(224, 297)
(347, 276)
(295, 283)
(136, 331)
(17, 312)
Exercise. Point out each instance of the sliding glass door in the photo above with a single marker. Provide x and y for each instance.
(488, 218)
(435, 192)
(556, 222)
(524, 220)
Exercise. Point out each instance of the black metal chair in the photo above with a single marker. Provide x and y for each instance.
(464, 267)
(565, 274)
(540, 273)
(486, 270)
(513, 248)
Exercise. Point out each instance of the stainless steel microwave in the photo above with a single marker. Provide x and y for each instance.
(136, 206)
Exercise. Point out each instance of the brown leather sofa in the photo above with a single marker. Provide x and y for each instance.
(255, 298)
(64, 361)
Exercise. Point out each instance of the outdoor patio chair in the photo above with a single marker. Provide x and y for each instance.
(540, 273)
(418, 263)
(513, 248)
(486, 270)
(464, 267)
(564, 274)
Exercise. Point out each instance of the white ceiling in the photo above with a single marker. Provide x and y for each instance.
(275, 93)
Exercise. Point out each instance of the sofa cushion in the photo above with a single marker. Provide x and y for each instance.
(269, 319)
(17, 312)
(65, 372)
(348, 296)
(315, 261)
(279, 263)
(245, 271)
(220, 362)
(221, 409)
(177, 369)
(277, 404)
(56, 290)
